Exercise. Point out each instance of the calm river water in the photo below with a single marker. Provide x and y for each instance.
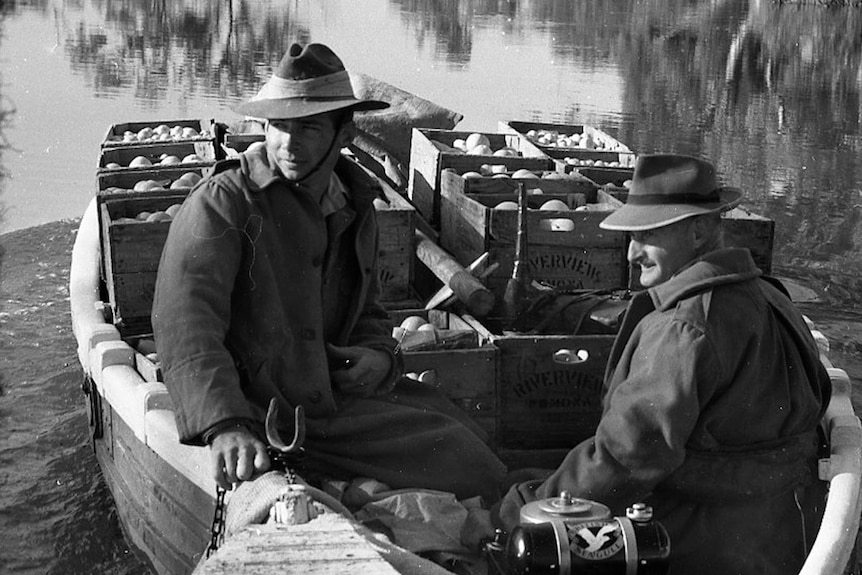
(770, 91)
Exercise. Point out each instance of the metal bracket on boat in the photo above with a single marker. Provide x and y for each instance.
(272, 435)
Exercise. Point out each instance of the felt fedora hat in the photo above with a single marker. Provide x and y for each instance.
(309, 80)
(667, 188)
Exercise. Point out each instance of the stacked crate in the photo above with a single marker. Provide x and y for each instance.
(542, 405)
(432, 151)
(459, 360)
(547, 403)
(573, 146)
(538, 406)
(146, 170)
(567, 249)
(615, 181)
(547, 388)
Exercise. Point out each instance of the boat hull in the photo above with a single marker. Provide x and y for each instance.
(164, 515)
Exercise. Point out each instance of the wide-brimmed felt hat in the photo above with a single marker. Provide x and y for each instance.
(667, 188)
(309, 80)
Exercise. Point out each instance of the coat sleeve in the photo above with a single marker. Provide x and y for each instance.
(191, 311)
(651, 407)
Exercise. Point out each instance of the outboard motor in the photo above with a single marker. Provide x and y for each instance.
(566, 535)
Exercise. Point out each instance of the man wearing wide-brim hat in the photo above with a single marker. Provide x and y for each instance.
(268, 288)
(713, 393)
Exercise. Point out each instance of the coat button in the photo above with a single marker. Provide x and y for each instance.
(315, 397)
(307, 334)
(317, 261)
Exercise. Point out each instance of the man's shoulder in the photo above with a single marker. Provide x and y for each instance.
(226, 164)
(224, 176)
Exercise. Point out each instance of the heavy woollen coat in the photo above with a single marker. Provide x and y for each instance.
(713, 398)
(239, 318)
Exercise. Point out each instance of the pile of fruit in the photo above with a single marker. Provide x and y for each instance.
(592, 163)
(160, 133)
(187, 180)
(165, 215)
(164, 159)
(501, 171)
(477, 144)
(413, 323)
(553, 205)
(585, 141)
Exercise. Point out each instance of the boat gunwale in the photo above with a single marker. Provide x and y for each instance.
(99, 342)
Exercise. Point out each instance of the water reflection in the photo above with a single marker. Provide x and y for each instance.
(769, 91)
(772, 93)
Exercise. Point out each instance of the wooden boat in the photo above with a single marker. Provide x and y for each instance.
(166, 499)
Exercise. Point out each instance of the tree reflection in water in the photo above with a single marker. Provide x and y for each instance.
(770, 91)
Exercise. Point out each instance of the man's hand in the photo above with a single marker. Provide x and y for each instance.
(358, 370)
(237, 455)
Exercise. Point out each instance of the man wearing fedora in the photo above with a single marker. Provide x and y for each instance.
(713, 391)
(268, 288)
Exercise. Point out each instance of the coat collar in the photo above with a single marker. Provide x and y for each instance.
(260, 174)
(723, 266)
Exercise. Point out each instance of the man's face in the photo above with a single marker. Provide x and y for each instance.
(662, 252)
(298, 146)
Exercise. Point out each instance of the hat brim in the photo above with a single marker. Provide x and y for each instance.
(290, 108)
(636, 218)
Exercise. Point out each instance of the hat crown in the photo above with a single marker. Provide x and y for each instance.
(308, 62)
(667, 188)
(309, 80)
(673, 176)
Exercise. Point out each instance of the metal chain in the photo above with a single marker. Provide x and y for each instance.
(287, 463)
(217, 529)
(290, 464)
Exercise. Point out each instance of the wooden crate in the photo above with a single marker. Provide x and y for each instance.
(611, 180)
(584, 256)
(207, 130)
(743, 229)
(115, 183)
(431, 152)
(466, 376)
(131, 251)
(602, 141)
(123, 155)
(543, 403)
(396, 225)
